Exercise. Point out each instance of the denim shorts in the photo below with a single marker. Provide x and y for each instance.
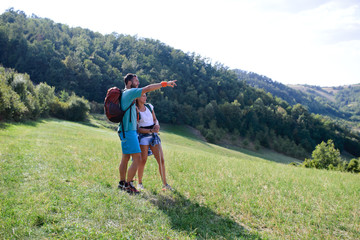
(129, 144)
(149, 139)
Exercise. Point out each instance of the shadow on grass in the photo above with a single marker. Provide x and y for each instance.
(265, 154)
(99, 120)
(198, 221)
(4, 125)
(185, 132)
(89, 124)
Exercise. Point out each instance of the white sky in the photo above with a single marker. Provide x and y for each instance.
(314, 42)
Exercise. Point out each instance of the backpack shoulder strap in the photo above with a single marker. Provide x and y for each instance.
(122, 124)
(149, 107)
(121, 93)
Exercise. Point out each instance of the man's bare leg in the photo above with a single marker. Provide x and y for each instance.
(123, 166)
(134, 166)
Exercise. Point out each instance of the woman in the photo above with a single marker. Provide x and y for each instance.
(148, 129)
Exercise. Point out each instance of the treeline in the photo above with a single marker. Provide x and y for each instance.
(209, 96)
(20, 100)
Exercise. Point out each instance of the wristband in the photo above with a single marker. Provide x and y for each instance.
(164, 84)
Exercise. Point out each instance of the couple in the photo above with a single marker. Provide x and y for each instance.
(148, 135)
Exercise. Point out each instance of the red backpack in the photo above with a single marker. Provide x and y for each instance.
(112, 106)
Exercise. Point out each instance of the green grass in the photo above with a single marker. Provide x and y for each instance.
(59, 179)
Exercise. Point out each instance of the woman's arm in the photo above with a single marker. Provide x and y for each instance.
(144, 130)
(156, 127)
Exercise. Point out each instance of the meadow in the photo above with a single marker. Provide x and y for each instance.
(58, 179)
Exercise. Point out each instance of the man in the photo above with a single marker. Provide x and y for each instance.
(130, 144)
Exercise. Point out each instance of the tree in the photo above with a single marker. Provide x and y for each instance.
(325, 156)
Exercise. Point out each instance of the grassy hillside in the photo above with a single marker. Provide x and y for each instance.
(58, 180)
(327, 93)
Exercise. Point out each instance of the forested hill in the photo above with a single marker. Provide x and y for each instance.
(208, 97)
(316, 99)
(344, 98)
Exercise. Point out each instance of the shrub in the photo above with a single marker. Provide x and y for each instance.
(5, 93)
(354, 165)
(21, 100)
(58, 108)
(23, 86)
(78, 109)
(294, 164)
(210, 136)
(11, 107)
(46, 96)
(64, 96)
(96, 107)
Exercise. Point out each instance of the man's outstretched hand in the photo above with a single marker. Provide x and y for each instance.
(171, 83)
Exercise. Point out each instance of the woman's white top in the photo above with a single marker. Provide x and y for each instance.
(146, 117)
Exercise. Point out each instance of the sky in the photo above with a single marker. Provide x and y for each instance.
(315, 42)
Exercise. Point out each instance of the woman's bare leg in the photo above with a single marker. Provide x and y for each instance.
(144, 155)
(159, 156)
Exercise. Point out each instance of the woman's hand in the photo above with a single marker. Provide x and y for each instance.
(156, 129)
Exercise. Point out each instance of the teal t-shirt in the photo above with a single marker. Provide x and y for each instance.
(128, 96)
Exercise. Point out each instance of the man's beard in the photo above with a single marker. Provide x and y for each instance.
(133, 85)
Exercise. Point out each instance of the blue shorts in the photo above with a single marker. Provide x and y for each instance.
(129, 144)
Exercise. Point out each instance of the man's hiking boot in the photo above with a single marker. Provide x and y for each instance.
(167, 187)
(121, 185)
(129, 188)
